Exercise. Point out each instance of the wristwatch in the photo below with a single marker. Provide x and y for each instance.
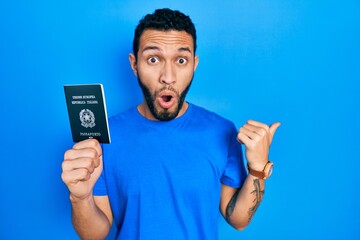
(265, 173)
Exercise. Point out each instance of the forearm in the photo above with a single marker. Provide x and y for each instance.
(245, 201)
(88, 220)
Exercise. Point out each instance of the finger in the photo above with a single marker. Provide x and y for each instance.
(273, 128)
(78, 153)
(249, 132)
(74, 154)
(243, 139)
(89, 143)
(88, 163)
(258, 130)
(258, 124)
(81, 174)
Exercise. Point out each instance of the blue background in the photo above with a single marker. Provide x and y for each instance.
(291, 61)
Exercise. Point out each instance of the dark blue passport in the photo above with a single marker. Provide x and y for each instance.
(87, 112)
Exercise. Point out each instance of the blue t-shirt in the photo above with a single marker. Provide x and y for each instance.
(163, 179)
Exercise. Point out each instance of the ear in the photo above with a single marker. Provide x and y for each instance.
(133, 64)
(196, 62)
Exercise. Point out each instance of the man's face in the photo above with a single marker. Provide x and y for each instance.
(165, 68)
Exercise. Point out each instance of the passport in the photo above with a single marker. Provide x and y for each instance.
(87, 112)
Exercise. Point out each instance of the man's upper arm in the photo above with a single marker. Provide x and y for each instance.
(102, 202)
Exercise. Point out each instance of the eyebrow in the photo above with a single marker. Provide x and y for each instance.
(186, 49)
(181, 49)
(150, 48)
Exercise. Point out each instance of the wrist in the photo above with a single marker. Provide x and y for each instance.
(257, 166)
(264, 173)
(75, 199)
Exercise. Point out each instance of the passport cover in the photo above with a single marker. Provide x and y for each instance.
(87, 112)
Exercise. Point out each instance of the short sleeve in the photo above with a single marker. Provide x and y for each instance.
(235, 173)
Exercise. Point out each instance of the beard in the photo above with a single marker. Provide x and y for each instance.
(163, 114)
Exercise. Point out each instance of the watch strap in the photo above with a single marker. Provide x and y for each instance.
(259, 174)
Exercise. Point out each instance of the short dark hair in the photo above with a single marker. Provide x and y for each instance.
(164, 20)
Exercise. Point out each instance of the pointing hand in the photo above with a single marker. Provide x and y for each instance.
(257, 138)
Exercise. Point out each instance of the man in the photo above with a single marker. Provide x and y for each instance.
(171, 165)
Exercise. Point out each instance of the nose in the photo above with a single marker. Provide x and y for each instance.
(168, 74)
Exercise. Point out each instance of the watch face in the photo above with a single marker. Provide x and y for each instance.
(270, 170)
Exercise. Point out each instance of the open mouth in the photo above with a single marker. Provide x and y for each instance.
(166, 99)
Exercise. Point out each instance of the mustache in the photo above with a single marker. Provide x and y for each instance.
(168, 88)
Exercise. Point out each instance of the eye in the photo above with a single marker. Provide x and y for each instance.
(182, 60)
(153, 60)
